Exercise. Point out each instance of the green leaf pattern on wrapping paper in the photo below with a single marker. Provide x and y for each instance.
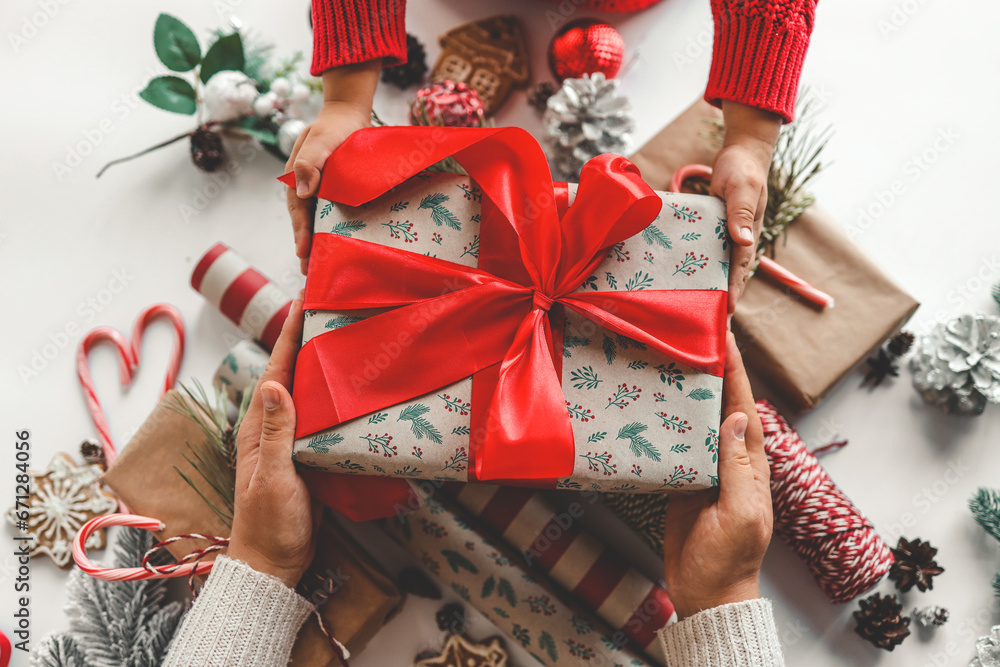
(406, 471)
(461, 590)
(342, 321)
(378, 418)
(653, 235)
(597, 437)
(461, 430)
(348, 467)
(638, 444)
(347, 227)
(611, 280)
(671, 375)
(640, 281)
(585, 378)
(439, 213)
(488, 587)
(720, 232)
(321, 444)
(571, 342)
(230, 363)
(638, 365)
(627, 342)
(691, 236)
(419, 425)
(457, 561)
(701, 394)
(399, 206)
(590, 282)
(548, 644)
(610, 349)
(520, 634)
(500, 612)
(326, 210)
(725, 268)
(579, 650)
(680, 448)
(581, 624)
(712, 444)
(506, 590)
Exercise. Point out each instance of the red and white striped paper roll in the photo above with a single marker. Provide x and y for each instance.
(242, 293)
(554, 543)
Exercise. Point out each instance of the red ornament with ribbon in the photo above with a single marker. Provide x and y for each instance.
(505, 321)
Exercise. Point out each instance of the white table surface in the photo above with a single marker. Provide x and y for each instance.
(893, 78)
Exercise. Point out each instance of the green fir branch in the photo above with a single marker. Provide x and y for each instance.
(985, 506)
(639, 445)
(419, 425)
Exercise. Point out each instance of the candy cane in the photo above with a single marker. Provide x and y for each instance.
(766, 265)
(129, 356)
(148, 571)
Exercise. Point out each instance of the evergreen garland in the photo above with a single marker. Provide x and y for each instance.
(985, 506)
(114, 623)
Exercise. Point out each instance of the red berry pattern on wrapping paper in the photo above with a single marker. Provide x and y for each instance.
(685, 213)
(457, 461)
(379, 444)
(673, 422)
(432, 528)
(436, 238)
(455, 404)
(690, 264)
(470, 546)
(578, 650)
(680, 477)
(636, 470)
(647, 256)
(671, 375)
(623, 395)
(401, 230)
(471, 192)
(577, 411)
(618, 252)
(712, 443)
(722, 233)
(601, 463)
(472, 248)
(417, 452)
(540, 604)
(659, 398)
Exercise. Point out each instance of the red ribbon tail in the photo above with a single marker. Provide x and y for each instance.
(360, 498)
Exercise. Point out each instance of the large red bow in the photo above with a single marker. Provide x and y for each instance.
(449, 321)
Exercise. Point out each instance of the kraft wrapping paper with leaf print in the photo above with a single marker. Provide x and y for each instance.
(525, 606)
(642, 422)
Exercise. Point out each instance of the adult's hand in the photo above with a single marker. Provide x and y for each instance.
(347, 106)
(274, 518)
(739, 176)
(714, 541)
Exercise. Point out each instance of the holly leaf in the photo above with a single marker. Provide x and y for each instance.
(505, 589)
(457, 561)
(175, 44)
(488, 587)
(225, 54)
(170, 93)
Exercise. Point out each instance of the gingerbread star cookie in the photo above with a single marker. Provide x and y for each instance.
(59, 501)
(461, 652)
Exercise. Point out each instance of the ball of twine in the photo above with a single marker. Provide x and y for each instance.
(819, 522)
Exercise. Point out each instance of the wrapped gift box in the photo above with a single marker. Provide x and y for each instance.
(641, 421)
(800, 351)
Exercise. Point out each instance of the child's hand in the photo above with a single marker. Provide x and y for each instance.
(714, 541)
(274, 519)
(739, 176)
(347, 106)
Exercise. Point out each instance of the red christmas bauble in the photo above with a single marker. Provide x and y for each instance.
(448, 103)
(586, 46)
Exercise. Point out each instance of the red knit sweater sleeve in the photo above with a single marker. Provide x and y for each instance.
(354, 31)
(758, 52)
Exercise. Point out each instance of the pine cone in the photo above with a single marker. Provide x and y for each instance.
(539, 95)
(900, 343)
(412, 71)
(957, 365)
(585, 118)
(93, 453)
(451, 619)
(931, 616)
(914, 565)
(206, 149)
(880, 621)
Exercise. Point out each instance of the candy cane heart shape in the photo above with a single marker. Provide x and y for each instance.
(129, 357)
(182, 569)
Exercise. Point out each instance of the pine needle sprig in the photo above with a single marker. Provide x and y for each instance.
(985, 506)
(996, 294)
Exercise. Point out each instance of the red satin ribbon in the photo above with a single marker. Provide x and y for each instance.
(449, 321)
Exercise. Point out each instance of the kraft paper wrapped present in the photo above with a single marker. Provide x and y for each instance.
(394, 391)
(800, 351)
(143, 476)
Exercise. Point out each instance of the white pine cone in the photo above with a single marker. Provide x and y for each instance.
(957, 365)
(584, 118)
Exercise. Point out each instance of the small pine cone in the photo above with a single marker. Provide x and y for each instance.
(451, 619)
(914, 565)
(412, 71)
(93, 453)
(880, 621)
(931, 616)
(206, 149)
(538, 96)
(900, 343)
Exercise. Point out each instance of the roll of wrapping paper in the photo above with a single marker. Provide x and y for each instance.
(241, 368)
(487, 573)
(242, 293)
(552, 542)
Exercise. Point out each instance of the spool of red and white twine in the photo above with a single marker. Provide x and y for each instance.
(766, 265)
(242, 293)
(840, 546)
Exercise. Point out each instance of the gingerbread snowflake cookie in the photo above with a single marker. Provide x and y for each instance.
(59, 501)
(461, 652)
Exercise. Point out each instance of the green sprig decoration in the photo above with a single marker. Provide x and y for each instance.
(214, 459)
(996, 294)
(985, 506)
(795, 163)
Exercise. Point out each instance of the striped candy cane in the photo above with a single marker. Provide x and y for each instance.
(767, 265)
(129, 356)
(185, 567)
(242, 293)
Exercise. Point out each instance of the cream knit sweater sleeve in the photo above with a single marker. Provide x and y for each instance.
(241, 617)
(741, 634)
